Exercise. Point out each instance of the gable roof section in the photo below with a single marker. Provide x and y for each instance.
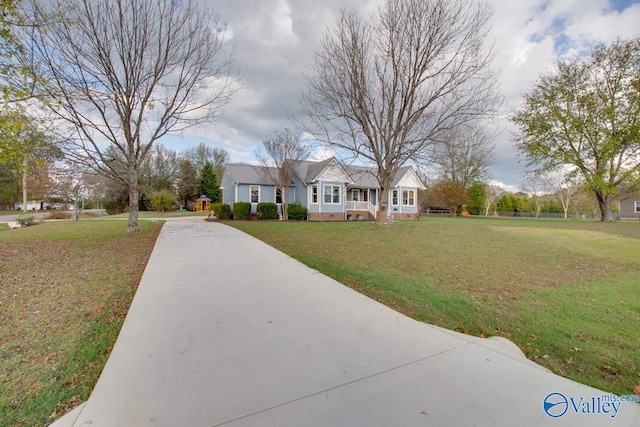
(309, 171)
(316, 168)
(407, 177)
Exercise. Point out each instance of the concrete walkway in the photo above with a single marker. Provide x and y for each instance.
(225, 330)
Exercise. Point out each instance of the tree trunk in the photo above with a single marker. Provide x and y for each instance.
(24, 187)
(133, 199)
(383, 201)
(604, 203)
(285, 203)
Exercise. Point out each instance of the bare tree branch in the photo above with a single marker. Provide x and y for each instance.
(285, 151)
(386, 86)
(124, 73)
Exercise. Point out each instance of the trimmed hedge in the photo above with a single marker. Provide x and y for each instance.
(242, 210)
(267, 210)
(222, 210)
(297, 212)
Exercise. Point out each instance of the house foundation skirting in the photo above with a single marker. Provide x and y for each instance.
(360, 215)
(403, 216)
(314, 216)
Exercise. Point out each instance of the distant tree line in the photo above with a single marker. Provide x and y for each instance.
(486, 200)
(171, 180)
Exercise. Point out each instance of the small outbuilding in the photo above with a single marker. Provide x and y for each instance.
(203, 203)
(630, 207)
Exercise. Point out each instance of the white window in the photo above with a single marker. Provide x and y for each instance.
(314, 194)
(255, 194)
(279, 195)
(408, 198)
(637, 207)
(355, 195)
(332, 194)
(394, 197)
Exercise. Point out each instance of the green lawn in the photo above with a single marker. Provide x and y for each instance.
(66, 288)
(567, 292)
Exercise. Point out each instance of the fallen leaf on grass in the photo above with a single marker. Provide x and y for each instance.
(636, 389)
(607, 369)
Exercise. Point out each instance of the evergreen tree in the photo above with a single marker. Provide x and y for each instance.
(477, 199)
(209, 183)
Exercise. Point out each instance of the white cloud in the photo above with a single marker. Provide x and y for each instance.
(274, 41)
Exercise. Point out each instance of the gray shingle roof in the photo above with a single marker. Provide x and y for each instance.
(362, 176)
(399, 175)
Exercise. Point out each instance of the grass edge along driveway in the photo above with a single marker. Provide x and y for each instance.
(65, 290)
(566, 292)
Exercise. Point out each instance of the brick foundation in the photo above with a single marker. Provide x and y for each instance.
(314, 216)
(364, 215)
(404, 217)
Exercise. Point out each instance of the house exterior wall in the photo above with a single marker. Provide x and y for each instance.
(299, 194)
(228, 190)
(320, 209)
(333, 189)
(630, 208)
(403, 203)
(233, 193)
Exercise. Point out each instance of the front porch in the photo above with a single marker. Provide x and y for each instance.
(361, 210)
(359, 204)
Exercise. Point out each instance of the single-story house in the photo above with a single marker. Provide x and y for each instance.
(330, 191)
(630, 207)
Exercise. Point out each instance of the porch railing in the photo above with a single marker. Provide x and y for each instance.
(362, 206)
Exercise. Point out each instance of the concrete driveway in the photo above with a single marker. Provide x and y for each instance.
(226, 331)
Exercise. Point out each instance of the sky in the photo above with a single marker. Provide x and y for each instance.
(274, 41)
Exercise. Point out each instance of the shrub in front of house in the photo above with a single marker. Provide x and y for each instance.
(27, 221)
(56, 214)
(267, 210)
(222, 210)
(297, 212)
(241, 210)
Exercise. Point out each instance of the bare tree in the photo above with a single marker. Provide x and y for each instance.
(463, 155)
(385, 86)
(203, 153)
(539, 186)
(285, 151)
(124, 73)
(565, 187)
(491, 195)
(565, 194)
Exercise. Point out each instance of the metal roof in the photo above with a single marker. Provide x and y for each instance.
(251, 174)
